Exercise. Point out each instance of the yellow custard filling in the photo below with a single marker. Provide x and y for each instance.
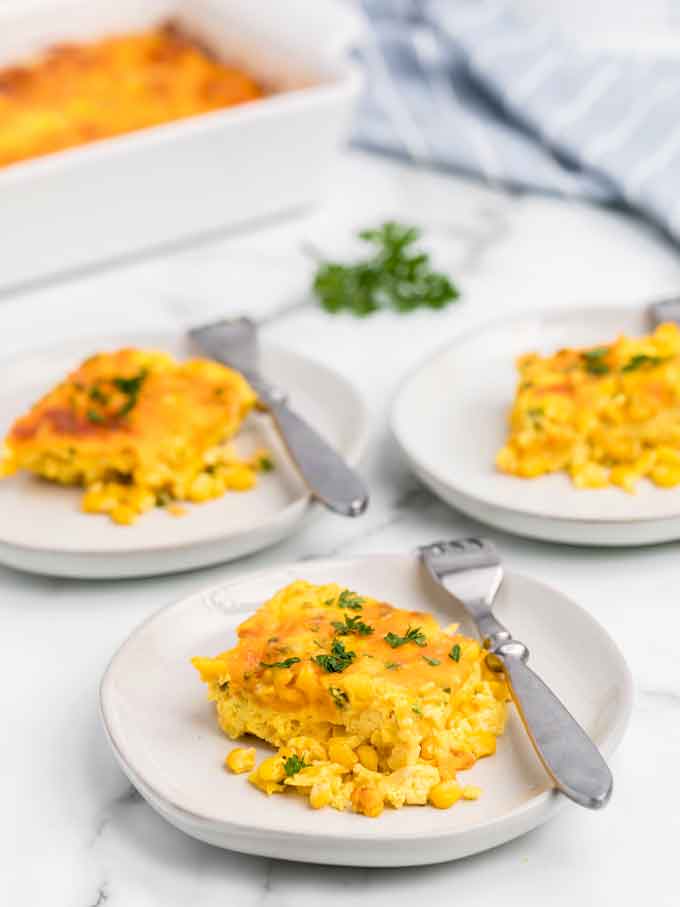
(367, 705)
(137, 429)
(606, 415)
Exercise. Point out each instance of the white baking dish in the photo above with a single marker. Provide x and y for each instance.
(103, 201)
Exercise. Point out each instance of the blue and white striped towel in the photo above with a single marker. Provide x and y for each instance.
(467, 84)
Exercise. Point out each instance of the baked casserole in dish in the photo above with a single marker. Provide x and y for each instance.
(137, 429)
(77, 93)
(151, 135)
(368, 705)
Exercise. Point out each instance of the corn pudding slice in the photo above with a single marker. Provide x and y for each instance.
(367, 705)
(78, 93)
(137, 429)
(608, 415)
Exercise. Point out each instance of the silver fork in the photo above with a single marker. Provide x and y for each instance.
(471, 571)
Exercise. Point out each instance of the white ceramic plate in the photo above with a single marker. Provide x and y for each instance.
(164, 734)
(43, 530)
(449, 419)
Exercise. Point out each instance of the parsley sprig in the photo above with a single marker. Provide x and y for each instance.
(352, 625)
(642, 359)
(289, 662)
(337, 661)
(395, 276)
(432, 661)
(293, 764)
(413, 634)
(130, 388)
(350, 600)
(593, 360)
(454, 654)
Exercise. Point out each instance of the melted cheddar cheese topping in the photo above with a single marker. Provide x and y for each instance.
(367, 705)
(607, 415)
(78, 93)
(137, 429)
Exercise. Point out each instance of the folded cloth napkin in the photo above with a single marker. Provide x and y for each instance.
(467, 84)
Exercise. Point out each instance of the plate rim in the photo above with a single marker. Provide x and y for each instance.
(441, 351)
(550, 799)
(304, 502)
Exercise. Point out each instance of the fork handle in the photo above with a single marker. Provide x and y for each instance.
(568, 754)
(328, 477)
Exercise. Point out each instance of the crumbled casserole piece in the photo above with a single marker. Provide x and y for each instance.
(607, 415)
(367, 705)
(77, 93)
(137, 429)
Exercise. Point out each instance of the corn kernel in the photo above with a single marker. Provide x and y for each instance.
(471, 792)
(368, 800)
(292, 697)
(239, 478)
(360, 686)
(342, 753)
(428, 747)
(484, 744)
(368, 757)
(307, 681)
(445, 794)
(123, 515)
(320, 795)
(201, 488)
(240, 760)
(272, 769)
(282, 677)
(462, 759)
(210, 669)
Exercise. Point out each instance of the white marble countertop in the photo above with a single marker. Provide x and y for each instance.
(73, 832)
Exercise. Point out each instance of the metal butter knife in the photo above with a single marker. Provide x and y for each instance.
(664, 310)
(328, 478)
(470, 570)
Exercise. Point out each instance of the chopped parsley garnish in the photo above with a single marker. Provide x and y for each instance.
(594, 360)
(224, 686)
(280, 664)
(337, 661)
(395, 276)
(94, 416)
(392, 665)
(293, 764)
(446, 689)
(266, 464)
(352, 625)
(163, 498)
(350, 600)
(641, 359)
(416, 709)
(131, 388)
(536, 413)
(432, 661)
(339, 697)
(97, 394)
(413, 634)
(454, 654)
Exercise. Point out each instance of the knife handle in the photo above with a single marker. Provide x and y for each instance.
(568, 754)
(329, 479)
